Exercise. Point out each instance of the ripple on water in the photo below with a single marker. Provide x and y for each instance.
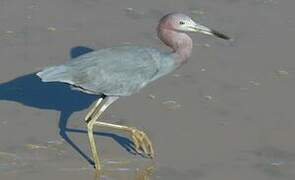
(10, 162)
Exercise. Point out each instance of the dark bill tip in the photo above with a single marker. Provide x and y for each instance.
(220, 35)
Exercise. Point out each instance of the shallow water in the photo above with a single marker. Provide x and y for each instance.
(226, 114)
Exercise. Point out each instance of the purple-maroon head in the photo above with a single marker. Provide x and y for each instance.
(172, 30)
(182, 23)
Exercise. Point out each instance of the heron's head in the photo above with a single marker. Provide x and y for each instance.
(183, 23)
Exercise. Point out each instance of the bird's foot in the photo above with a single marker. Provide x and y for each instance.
(142, 142)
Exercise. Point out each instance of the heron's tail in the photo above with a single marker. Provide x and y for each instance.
(55, 73)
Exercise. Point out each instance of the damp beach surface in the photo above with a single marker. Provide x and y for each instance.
(226, 114)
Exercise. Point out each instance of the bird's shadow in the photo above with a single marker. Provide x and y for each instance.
(29, 90)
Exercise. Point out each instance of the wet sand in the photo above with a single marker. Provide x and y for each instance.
(226, 114)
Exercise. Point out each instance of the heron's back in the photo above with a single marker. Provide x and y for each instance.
(118, 71)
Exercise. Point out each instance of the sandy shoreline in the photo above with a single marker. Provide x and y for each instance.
(226, 114)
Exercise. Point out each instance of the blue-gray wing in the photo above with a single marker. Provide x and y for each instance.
(118, 71)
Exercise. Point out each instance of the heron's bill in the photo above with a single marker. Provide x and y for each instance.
(211, 32)
(220, 35)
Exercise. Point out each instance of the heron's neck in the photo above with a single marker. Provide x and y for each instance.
(180, 42)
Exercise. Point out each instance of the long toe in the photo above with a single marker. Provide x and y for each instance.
(142, 142)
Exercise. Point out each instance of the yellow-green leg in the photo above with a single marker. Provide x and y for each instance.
(139, 138)
(90, 122)
(90, 119)
(92, 110)
(93, 146)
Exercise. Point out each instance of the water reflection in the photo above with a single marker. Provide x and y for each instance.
(126, 170)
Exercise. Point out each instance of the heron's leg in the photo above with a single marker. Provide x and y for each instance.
(139, 138)
(92, 110)
(90, 122)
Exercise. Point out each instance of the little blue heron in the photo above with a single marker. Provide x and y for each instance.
(124, 70)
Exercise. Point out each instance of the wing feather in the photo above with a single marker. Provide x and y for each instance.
(117, 71)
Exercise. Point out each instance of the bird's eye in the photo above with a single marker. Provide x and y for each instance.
(181, 22)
